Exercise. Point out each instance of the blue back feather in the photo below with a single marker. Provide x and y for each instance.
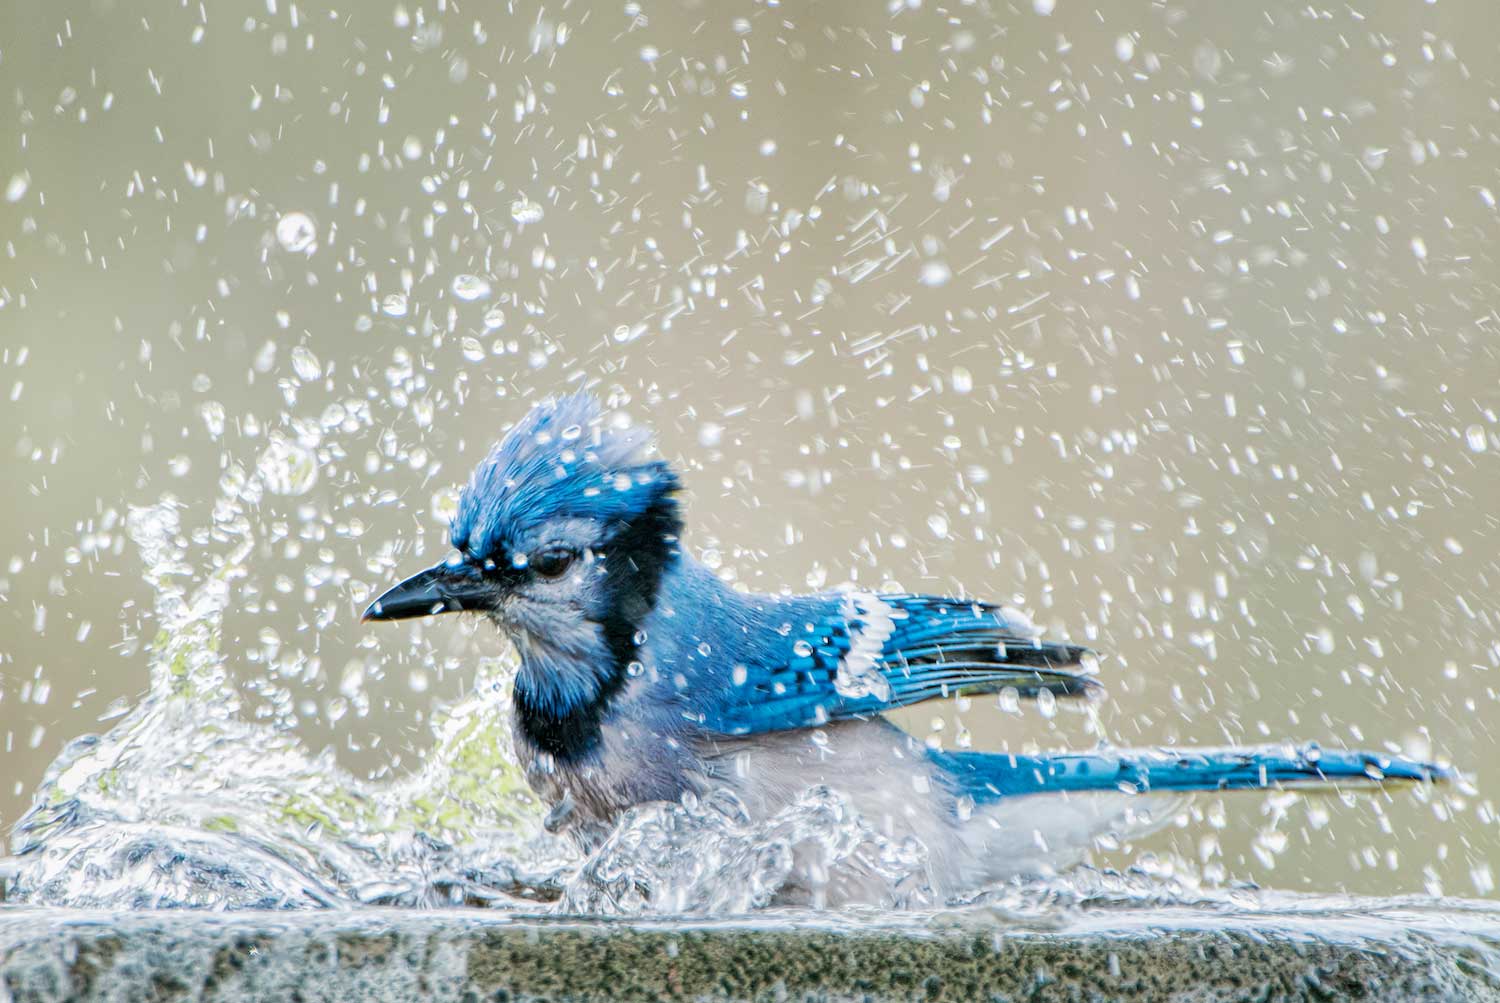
(911, 648)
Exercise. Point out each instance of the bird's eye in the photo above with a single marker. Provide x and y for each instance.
(552, 563)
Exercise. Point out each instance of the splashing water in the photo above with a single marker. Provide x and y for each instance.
(185, 803)
(708, 856)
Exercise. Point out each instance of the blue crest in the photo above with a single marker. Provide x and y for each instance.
(563, 460)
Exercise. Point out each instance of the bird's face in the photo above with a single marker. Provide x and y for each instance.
(544, 588)
(561, 538)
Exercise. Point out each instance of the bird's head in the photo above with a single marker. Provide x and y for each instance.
(562, 536)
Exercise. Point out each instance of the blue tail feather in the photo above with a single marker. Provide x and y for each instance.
(988, 777)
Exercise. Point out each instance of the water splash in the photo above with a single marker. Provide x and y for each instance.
(706, 856)
(185, 803)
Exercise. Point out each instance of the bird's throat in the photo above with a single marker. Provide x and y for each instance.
(560, 707)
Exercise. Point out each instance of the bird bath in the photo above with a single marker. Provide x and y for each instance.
(1286, 948)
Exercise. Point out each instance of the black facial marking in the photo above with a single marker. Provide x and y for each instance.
(635, 560)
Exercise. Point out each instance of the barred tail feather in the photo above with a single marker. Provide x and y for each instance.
(988, 777)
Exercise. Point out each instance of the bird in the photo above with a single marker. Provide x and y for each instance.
(644, 677)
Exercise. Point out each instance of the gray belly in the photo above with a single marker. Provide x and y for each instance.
(632, 765)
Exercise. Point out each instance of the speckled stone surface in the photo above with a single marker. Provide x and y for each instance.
(1396, 951)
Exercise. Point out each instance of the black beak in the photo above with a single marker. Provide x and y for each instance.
(445, 588)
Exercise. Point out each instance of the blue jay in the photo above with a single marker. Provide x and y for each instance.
(644, 677)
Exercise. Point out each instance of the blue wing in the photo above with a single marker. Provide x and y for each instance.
(858, 654)
(987, 776)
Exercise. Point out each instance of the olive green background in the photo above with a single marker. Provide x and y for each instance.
(1173, 324)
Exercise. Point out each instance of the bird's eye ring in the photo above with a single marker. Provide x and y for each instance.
(553, 563)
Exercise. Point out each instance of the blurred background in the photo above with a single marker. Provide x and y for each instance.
(1174, 325)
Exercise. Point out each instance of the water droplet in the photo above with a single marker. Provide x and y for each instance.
(472, 349)
(411, 149)
(306, 364)
(471, 287)
(739, 675)
(712, 559)
(296, 233)
(494, 318)
(523, 210)
(287, 468)
(213, 417)
(802, 649)
(963, 380)
(705, 649)
(394, 305)
(1475, 436)
(1419, 248)
(333, 416)
(938, 523)
(15, 190)
(936, 273)
(639, 637)
(1046, 704)
(444, 504)
(1268, 844)
(710, 434)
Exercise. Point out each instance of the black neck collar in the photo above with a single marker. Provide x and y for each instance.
(636, 560)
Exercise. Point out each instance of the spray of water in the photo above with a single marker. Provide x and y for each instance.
(187, 803)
